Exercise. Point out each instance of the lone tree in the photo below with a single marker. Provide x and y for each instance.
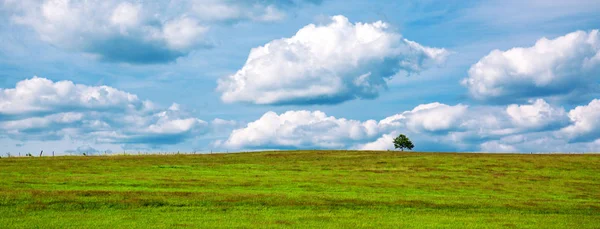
(402, 142)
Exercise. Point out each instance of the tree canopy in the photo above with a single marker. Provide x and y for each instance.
(402, 142)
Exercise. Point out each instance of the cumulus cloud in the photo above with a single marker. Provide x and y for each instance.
(483, 125)
(40, 95)
(327, 64)
(537, 115)
(432, 117)
(112, 30)
(384, 142)
(40, 109)
(50, 127)
(300, 129)
(535, 142)
(432, 127)
(439, 126)
(567, 67)
(306, 129)
(585, 125)
(160, 128)
(138, 32)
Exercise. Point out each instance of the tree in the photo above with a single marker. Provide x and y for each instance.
(402, 142)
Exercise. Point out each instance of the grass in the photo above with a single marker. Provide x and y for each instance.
(302, 189)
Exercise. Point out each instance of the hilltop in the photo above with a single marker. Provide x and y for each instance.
(315, 189)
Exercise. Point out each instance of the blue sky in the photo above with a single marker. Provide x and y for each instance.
(204, 75)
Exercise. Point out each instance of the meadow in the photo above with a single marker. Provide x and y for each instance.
(302, 189)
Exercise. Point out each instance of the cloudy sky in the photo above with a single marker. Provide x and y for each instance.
(231, 75)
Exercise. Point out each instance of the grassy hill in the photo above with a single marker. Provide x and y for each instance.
(302, 189)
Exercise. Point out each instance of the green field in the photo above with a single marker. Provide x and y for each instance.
(302, 189)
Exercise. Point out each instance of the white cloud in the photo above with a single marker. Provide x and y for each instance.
(306, 129)
(432, 127)
(303, 129)
(183, 33)
(536, 142)
(432, 117)
(111, 30)
(496, 147)
(385, 142)
(456, 126)
(485, 124)
(585, 125)
(41, 122)
(42, 95)
(219, 10)
(325, 64)
(40, 109)
(139, 32)
(126, 15)
(537, 115)
(566, 66)
(165, 125)
(155, 129)
(271, 13)
(215, 10)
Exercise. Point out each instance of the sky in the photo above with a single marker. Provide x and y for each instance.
(110, 76)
